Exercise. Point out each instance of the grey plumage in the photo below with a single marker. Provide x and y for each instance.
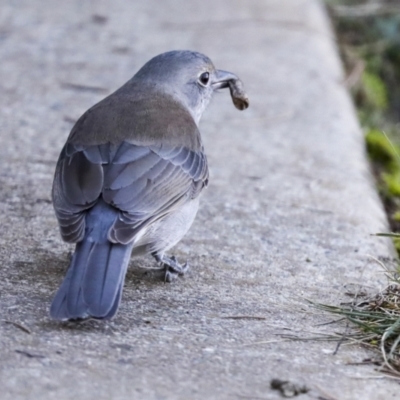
(128, 179)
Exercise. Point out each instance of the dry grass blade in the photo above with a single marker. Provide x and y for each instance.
(390, 234)
(17, 325)
(376, 323)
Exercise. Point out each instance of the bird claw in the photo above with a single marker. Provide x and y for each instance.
(169, 275)
(173, 271)
(171, 267)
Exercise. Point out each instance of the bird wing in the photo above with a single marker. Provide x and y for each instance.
(144, 183)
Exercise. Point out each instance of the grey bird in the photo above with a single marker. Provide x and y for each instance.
(128, 179)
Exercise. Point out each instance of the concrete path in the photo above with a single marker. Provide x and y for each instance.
(287, 216)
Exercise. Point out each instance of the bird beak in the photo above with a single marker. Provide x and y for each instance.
(224, 79)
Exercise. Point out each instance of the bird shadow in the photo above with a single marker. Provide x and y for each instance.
(38, 276)
(48, 269)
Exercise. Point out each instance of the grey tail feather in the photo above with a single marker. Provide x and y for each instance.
(95, 278)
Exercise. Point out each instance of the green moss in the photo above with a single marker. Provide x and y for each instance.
(382, 151)
(392, 182)
(396, 243)
(375, 92)
(387, 157)
(396, 216)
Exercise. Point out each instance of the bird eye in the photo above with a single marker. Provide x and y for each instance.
(204, 78)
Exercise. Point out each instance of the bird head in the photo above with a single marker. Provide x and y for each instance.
(191, 78)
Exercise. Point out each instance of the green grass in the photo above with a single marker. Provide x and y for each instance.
(376, 323)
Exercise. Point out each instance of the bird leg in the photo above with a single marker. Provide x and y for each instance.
(171, 266)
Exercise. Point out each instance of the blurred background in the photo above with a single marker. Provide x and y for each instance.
(368, 33)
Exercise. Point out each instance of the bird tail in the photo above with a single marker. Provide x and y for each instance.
(95, 277)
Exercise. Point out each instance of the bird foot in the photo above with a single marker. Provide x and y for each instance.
(171, 267)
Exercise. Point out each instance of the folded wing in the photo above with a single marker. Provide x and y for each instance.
(143, 183)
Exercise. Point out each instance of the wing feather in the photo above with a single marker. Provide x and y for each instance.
(143, 183)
